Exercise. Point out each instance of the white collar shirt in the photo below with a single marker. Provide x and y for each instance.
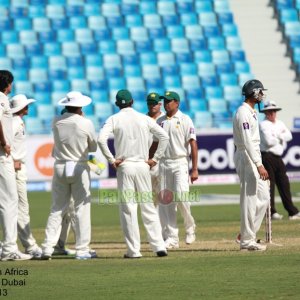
(274, 136)
(151, 135)
(19, 149)
(246, 132)
(181, 130)
(74, 138)
(131, 131)
(6, 120)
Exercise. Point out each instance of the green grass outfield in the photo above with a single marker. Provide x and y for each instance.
(211, 268)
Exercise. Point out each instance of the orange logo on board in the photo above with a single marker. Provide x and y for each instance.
(43, 160)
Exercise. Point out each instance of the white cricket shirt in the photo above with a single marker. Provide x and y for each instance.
(274, 136)
(246, 132)
(19, 150)
(74, 138)
(181, 130)
(6, 120)
(131, 131)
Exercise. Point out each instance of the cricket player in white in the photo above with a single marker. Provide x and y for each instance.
(154, 112)
(19, 108)
(131, 135)
(74, 138)
(174, 171)
(254, 194)
(8, 185)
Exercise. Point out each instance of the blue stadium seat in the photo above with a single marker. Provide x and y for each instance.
(216, 43)
(233, 43)
(207, 81)
(132, 71)
(143, 46)
(161, 45)
(39, 62)
(116, 83)
(202, 56)
(220, 57)
(38, 75)
(237, 55)
(180, 45)
(225, 18)
(171, 20)
(22, 24)
(166, 59)
(208, 19)
(154, 84)
(57, 74)
(113, 72)
(41, 24)
(23, 87)
(88, 48)
(111, 60)
(166, 8)
(206, 69)
(34, 50)
(156, 33)
(20, 75)
(151, 71)
(198, 44)
(45, 111)
(229, 30)
(70, 49)
(57, 62)
(129, 8)
(225, 68)
(203, 6)
(99, 96)
(93, 60)
(60, 23)
(198, 105)
(110, 9)
(42, 97)
(34, 125)
(98, 85)
(84, 35)
(115, 21)
(213, 92)
(184, 7)
(88, 110)
(139, 34)
(107, 47)
(190, 82)
(6, 24)
(133, 21)
(102, 34)
(170, 70)
(221, 6)
(15, 51)
(54, 11)
(232, 93)
(203, 119)
(120, 33)
(140, 106)
(175, 31)
(294, 41)
(96, 22)
(149, 58)
(10, 37)
(171, 82)
(193, 94)
(217, 106)
(21, 63)
(61, 86)
(47, 36)
(91, 9)
(52, 49)
(188, 19)
(152, 21)
(5, 63)
(184, 57)
(188, 69)
(76, 61)
(228, 79)
(2, 51)
(147, 8)
(135, 84)
(291, 28)
(125, 47)
(212, 31)
(78, 22)
(74, 10)
(76, 73)
(243, 77)
(81, 85)
(103, 109)
(16, 12)
(241, 67)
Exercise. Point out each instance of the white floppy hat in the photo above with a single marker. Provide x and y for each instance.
(75, 99)
(18, 102)
(270, 105)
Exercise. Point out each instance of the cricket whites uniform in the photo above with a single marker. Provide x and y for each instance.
(19, 152)
(154, 172)
(174, 174)
(254, 194)
(8, 186)
(74, 138)
(131, 139)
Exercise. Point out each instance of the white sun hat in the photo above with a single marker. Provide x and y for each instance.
(75, 99)
(270, 105)
(18, 102)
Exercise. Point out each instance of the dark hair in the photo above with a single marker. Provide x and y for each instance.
(72, 109)
(6, 78)
(124, 105)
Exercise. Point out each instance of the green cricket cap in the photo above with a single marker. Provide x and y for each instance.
(123, 97)
(153, 98)
(169, 95)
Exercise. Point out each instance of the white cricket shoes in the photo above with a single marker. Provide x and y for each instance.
(89, 255)
(295, 217)
(190, 238)
(36, 252)
(16, 256)
(254, 247)
(171, 243)
(276, 216)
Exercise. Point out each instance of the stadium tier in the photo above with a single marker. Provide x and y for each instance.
(98, 47)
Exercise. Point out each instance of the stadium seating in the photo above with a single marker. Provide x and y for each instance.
(98, 47)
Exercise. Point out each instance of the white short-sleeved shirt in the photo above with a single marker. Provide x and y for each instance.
(274, 136)
(151, 135)
(6, 120)
(181, 130)
(74, 138)
(19, 150)
(131, 131)
(246, 132)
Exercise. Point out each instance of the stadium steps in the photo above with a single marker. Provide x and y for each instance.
(262, 41)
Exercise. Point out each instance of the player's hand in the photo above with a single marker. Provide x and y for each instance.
(151, 163)
(7, 150)
(263, 173)
(17, 165)
(117, 163)
(194, 175)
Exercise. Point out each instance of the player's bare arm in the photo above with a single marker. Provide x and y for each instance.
(263, 173)
(194, 156)
(153, 149)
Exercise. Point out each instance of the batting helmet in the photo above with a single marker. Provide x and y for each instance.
(252, 88)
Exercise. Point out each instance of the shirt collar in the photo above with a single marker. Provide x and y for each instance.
(177, 115)
(249, 107)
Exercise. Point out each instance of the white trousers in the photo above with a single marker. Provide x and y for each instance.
(254, 197)
(134, 185)
(63, 188)
(24, 231)
(8, 204)
(155, 183)
(174, 186)
(68, 222)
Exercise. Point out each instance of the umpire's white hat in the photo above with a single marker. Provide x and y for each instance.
(270, 105)
(75, 99)
(18, 102)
